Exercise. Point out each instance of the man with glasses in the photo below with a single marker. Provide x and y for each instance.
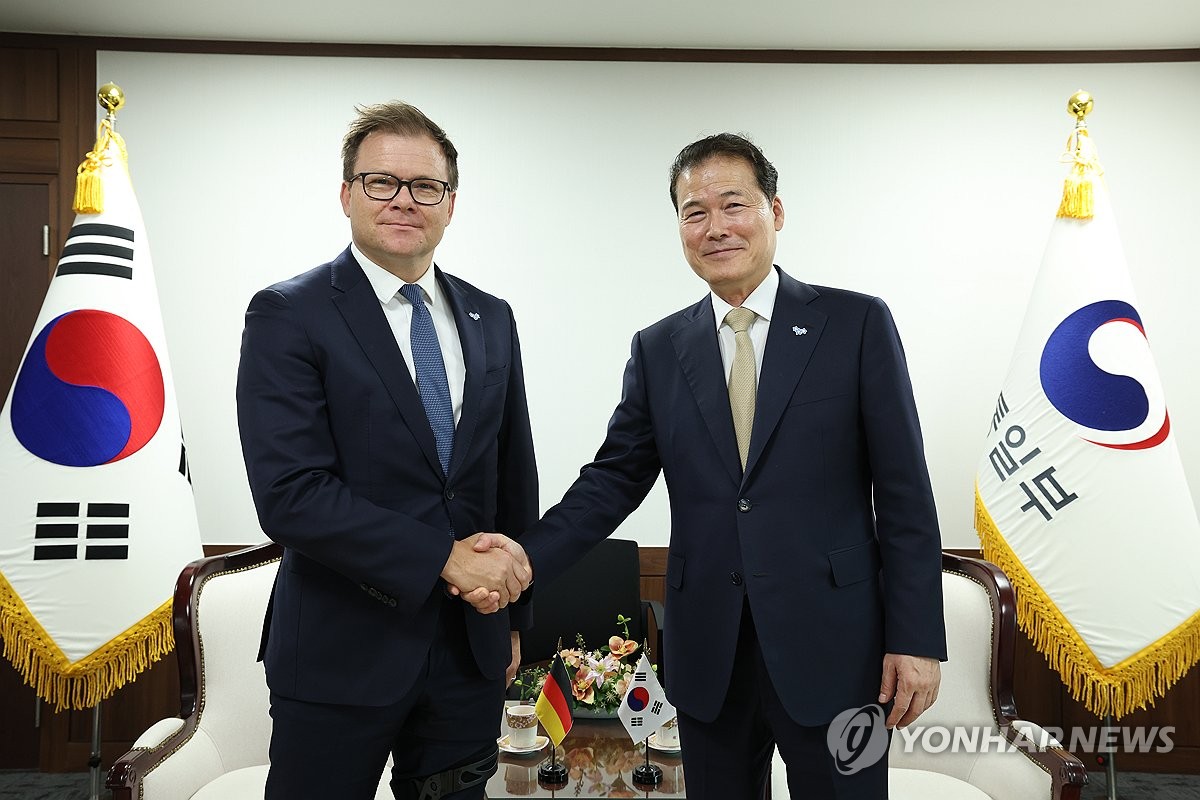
(382, 410)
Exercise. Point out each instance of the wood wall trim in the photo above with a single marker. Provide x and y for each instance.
(602, 54)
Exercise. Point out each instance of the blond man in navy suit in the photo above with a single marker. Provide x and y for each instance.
(383, 418)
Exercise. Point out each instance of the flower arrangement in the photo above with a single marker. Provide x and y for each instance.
(599, 677)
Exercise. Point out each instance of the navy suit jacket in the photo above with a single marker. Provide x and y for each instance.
(831, 531)
(345, 474)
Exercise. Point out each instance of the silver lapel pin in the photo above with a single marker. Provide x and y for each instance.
(796, 329)
(473, 315)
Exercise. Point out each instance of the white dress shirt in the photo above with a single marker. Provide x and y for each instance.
(398, 312)
(762, 302)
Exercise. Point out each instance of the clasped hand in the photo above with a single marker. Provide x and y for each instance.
(489, 571)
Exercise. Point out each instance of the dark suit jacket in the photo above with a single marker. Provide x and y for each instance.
(831, 531)
(345, 474)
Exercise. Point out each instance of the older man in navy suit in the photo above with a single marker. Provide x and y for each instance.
(382, 411)
(803, 575)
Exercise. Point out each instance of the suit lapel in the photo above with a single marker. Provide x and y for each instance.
(795, 330)
(700, 358)
(474, 346)
(362, 314)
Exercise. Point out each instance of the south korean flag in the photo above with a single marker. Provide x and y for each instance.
(644, 708)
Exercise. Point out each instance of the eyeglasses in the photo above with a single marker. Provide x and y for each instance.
(381, 186)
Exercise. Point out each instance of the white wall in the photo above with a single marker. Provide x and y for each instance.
(933, 187)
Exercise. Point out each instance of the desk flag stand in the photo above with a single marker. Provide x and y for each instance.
(647, 775)
(554, 710)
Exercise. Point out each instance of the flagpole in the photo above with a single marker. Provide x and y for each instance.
(94, 760)
(1110, 763)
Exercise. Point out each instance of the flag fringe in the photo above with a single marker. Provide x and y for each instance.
(1118, 690)
(94, 678)
(89, 188)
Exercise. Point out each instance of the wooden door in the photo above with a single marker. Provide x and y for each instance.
(25, 214)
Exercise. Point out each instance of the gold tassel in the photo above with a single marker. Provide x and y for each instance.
(1118, 690)
(89, 188)
(1078, 200)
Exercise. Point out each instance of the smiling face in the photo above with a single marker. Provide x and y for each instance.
(398, 234)
(727, 226)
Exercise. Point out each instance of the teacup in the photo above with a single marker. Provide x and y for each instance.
(668, 734)
(522, 725)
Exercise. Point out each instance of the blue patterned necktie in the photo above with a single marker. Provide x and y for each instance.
(431, 374)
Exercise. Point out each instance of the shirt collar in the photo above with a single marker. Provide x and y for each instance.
(386, 285)
(761, 301)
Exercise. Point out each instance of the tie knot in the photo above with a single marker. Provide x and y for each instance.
(412, 292)
(740, 319)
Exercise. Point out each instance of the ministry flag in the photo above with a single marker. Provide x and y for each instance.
(553, 706)
(644, 708)
(94, 482)
(1081, 472)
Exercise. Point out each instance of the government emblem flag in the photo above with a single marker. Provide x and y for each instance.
(644, 708)
(553, 707)
(1080, 494)
(94, 482)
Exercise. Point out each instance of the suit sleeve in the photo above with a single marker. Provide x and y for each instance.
(292, 464)
(517, 486)
(608, 489)
(905, 517)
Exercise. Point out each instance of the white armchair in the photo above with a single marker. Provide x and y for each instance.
(975, 702)
(217, 748)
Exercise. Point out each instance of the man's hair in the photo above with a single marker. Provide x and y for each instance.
(401, 119)
(726, 145)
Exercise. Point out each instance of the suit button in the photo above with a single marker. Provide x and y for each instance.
(744, 505)
(735, 578)
(449, 494)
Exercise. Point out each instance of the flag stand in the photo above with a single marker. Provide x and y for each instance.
(1110, 765)
(648, 774)
(552, 775)
(94, 760)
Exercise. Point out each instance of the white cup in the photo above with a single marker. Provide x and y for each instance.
(668, 734)
(522, 725)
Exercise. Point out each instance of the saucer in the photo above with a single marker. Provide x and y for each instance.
(655, 745)
(538, 744)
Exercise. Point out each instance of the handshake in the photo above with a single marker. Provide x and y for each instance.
(488, 570)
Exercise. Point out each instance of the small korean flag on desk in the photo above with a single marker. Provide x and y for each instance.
(645, 707)
(98, 516)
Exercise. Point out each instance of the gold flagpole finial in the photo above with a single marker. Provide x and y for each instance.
(111, 98)
(89, 191)
(1080, 105)
(1078, 200)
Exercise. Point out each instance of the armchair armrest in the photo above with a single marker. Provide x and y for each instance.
(194, 761)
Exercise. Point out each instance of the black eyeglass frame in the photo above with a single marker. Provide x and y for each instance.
(400, 184)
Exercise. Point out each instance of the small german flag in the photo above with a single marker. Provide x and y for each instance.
(553, 704)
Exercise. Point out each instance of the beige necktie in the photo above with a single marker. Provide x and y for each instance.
(743, 381)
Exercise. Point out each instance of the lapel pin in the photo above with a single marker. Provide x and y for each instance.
(796, 329)
(473, 315)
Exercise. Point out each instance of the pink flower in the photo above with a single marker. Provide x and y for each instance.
(621, 647)
(582, 687)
